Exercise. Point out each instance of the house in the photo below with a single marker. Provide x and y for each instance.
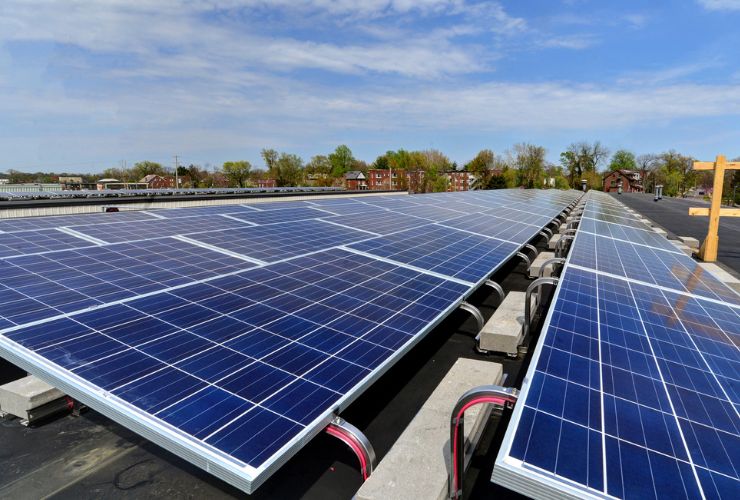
(354, 180)
(154, 181)
(4, 180)
(630, 181)
(265, 183)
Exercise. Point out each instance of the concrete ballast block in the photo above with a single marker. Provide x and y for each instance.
(416, 465)
(534, 269)
(503, 331)
(689, 241)
(21, 396)
(554, 241)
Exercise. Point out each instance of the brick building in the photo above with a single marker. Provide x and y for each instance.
(631, 181)
(354, 180)
(265, 183)
(154, 181)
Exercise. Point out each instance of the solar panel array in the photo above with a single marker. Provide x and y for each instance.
(633, 388)
(118, 193)
(231, 334)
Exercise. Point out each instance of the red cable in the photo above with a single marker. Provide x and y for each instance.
(483, 399)
(347, 439)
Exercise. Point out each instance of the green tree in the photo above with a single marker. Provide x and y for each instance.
(289, 168)
(341, 161)
(581, 158)
(144, 168)
(270, 156)
(623, 160)
(530, 161)
(237, 172)
(320, 168)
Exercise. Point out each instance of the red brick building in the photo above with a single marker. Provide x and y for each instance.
(265, 183)
(457, 180)
(354, 180)
(631, 181)
(154, 181)
(380, 178)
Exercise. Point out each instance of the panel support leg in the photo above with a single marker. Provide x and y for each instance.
(535, 285)
(356, 440)
(504, 397)
(466, 306)
(497, 288)
(556, 260)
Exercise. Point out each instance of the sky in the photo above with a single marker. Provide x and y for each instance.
(87, 84)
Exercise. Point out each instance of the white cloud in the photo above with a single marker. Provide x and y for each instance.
(720, 4)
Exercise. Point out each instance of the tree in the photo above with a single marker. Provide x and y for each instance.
(144, 168)
(237, 172)
(435, 159)
(580, 158)
(530, 160)
(481, 167)
(623, 160)
(320, 168)
(289, 169)
(647, 163)
(270, 156)
(341, 161)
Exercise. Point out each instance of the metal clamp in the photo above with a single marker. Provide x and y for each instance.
(560, 250)
(467, 306)
(556, 260)
(357, 441)
(525, 257)
(497, 288)
(536, 284)
(504, 397)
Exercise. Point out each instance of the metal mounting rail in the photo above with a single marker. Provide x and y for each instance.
(467, 306)
(497, 288)
(504, 397)
(535, 285)
(357, 441)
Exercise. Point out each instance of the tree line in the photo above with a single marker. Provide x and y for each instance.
(523, 165)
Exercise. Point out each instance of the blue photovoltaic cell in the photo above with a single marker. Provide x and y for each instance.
(292, 353)
(157, 228)
(494, 227)
(443, 250)
(35, 287)
(280, 241)
(381, 221)
(633, 391)
(30, 242)
(32, 223)
(646, 237)
(282, 215)
(655, 266)
(242, 359)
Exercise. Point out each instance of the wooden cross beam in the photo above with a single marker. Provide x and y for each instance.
(708, 250)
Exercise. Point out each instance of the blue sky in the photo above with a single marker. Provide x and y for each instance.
(86, 84)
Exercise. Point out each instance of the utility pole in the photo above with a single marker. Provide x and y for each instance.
(177, 179)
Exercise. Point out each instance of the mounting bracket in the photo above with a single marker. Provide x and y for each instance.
(467, 306)
(535, 285)
(356, 440)
(504, 397)
(497, 288)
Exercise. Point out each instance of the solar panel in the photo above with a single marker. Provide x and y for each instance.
(632, 389)
(231, 342)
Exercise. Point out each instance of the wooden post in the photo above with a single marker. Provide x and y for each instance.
(708, 250)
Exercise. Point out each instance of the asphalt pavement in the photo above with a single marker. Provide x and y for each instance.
(673, 215)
